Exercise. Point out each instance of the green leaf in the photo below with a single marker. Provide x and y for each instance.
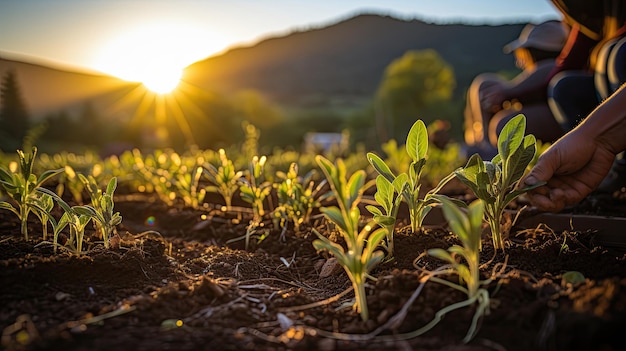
(415, 170)
(380, 166)
(442, 183)
(515, 193)
(336, 250)
(7, 206)
(5, 175)
(476, 212)
(457, 220)
(417, 141)
(374, 210)
(464, 273)
(511, 136)
(48, 174)
(374, 239)
(522, 157)
(384, 193)
(441, 254)
(401, 183)
(56, 198)
(335, 216)
(385, 220)
(111, 186)
(497, 159)
(374, 259)
(355, 187)
(85, 210)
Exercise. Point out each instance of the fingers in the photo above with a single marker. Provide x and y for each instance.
(546, 202)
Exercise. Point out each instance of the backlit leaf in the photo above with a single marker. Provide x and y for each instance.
(417, 141)
(511, 136)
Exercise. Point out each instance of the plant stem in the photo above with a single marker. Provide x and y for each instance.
(359, 294)
(496, 235)
(24, 210)
(415, 219)
(44, 225)
(390, 240)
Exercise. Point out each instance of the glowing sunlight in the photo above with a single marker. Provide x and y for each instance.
(153, 54)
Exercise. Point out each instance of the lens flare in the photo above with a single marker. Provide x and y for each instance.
(150, 221)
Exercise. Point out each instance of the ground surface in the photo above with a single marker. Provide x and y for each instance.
(182, 269)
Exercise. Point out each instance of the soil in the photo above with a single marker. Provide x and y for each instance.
(181, 281)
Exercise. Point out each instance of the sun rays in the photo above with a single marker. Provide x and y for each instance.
(160, 119)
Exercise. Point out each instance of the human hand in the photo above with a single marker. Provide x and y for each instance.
(572, 167)
(492, 97)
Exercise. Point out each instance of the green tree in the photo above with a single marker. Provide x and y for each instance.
(14, 119)
(411, 84)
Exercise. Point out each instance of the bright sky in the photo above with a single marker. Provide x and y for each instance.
(116, 36)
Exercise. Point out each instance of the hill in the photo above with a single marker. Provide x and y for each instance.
(348, 58)
(48, 89)
(344, 60)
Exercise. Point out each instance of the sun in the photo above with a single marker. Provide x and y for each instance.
(162, 81)
(154, 54)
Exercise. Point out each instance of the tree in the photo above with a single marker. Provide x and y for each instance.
(409, 85)
(14, 120)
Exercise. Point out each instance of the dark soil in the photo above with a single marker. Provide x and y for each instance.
(179, 284)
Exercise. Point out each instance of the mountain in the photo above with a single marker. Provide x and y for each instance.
(345, 59)
(48, 89)
(348, 58)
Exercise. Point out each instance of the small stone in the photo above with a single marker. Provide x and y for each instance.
(331, 267)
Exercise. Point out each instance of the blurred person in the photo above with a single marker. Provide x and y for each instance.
(591, 67)
(492, 101)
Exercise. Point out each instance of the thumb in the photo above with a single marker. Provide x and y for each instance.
(541, 172)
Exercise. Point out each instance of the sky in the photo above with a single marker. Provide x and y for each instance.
(116, 36)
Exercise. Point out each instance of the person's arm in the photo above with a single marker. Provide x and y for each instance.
(531, 87)
(577, 163)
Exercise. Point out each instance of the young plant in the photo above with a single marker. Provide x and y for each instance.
(255, 189)
(101, 209)
(297, 196)
(468, 228)
(409, 184)
(77, 217)
(389, 199)
(21, 184)
(495, 182)
(188, 187)
(361, 255)
(224, 178)
(42, 205)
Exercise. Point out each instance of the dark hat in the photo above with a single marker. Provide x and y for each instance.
(549, 36)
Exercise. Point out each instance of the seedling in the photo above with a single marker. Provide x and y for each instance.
(77, 217)
(255, 189)
(187, 185)
(495, 182)
(409, 184)
(389, 199)
(101, 209)
(361, 255)
(297, 196)
(20, 184)
(224, 178)
(42, 205)
(468, 227)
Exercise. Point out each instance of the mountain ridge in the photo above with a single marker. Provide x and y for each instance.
(345, 58)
